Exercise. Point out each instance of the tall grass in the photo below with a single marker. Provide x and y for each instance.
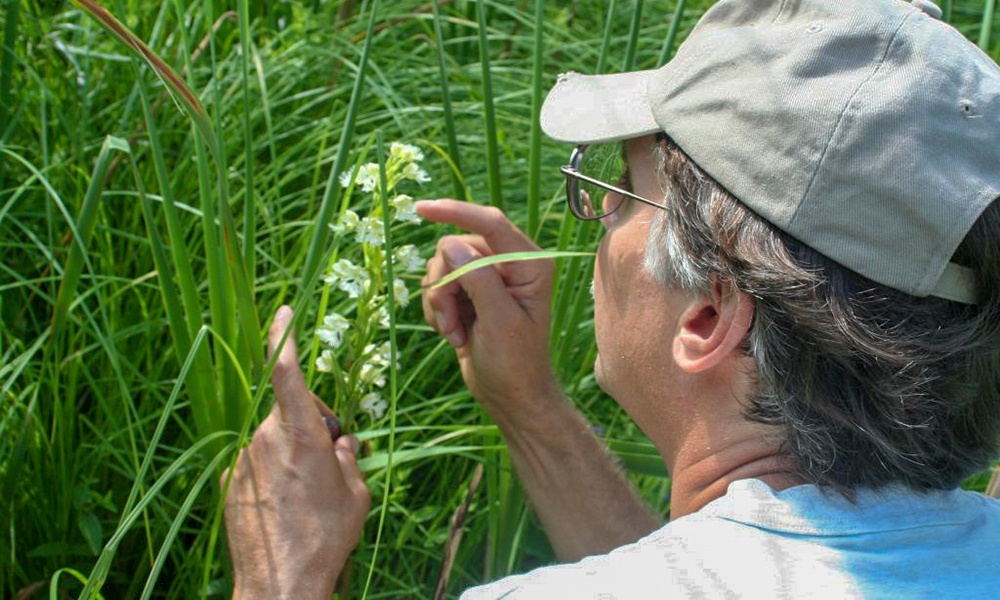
(137, 272)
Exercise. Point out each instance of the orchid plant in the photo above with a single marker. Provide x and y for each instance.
(353, 346)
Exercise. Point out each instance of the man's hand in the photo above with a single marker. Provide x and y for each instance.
(496, 318)
(297, 501)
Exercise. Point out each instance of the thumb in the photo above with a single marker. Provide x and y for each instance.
(484, 286)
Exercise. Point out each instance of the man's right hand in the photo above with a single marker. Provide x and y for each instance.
(497, 317)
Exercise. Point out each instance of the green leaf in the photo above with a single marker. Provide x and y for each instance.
(503, 258)
(93, 532)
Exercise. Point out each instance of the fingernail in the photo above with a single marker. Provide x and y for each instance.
(442, 321)
(333, 425)
(355, 444)
(284, 311)
(456, 338)
(457, 254)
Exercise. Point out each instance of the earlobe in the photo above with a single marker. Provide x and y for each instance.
(713, 327)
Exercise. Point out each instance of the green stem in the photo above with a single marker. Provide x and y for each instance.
(633, 36)
(535, 152)
(606, 40)
(492, 151)
(321, 231)
(987, 27)
(449, 116)
(668, 44)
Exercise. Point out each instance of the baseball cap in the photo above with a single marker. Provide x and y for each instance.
(869, 130)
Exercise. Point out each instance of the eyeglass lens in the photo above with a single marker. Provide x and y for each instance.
(606, 164)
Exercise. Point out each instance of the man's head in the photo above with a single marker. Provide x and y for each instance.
(834, 162)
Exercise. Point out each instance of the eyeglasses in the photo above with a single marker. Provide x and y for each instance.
(584, 181)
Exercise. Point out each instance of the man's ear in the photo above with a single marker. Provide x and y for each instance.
(712, 327)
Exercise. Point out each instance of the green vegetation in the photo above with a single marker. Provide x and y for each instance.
(148, 235)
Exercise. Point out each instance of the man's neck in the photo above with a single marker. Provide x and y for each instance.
(702, 473)
(707, 443)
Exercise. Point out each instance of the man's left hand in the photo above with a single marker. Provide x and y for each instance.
(297, 501)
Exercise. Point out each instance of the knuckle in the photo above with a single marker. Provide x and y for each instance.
(364, 496)
(494, 215)
(303, 437)
(441, 243)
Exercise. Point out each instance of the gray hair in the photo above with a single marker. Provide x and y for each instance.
(869, 386)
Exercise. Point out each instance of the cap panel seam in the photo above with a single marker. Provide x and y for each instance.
(840, 119)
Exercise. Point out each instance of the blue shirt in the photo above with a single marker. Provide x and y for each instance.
(802, 542)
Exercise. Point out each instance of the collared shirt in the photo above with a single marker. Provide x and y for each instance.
(802, 542)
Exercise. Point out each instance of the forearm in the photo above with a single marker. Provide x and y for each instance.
(577, 489)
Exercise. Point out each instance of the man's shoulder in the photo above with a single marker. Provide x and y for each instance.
(796, 543)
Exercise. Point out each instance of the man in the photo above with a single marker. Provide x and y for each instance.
(797, 298)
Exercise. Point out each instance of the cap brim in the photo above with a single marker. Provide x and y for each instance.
(591, 109)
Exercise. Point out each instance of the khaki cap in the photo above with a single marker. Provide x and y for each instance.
(867, 129)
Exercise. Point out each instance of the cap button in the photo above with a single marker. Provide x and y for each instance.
(932, 10)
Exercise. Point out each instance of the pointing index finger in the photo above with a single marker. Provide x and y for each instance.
(290, 391)
(487, 221)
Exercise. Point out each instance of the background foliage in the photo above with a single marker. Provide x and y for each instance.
(138, 270)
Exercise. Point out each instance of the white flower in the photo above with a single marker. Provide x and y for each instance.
(372, 375)
(331, 332)
(346, 177)
(347, 224)
(405, 152)
(412, 171)
(382, 313)
(348, 277)
(373, 404)
(325, 362)
(400, 293)
(370, 231)
(366, 177)
(408, 257)
(381, 355)
(405, 209)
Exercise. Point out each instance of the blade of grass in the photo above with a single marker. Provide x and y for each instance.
(633, 36)
(497, 259)
(321, 232)
(249, 206)
(204, 402)
(489, 111)
(207, 474)
(82, 230)
(203, 406)
(449, 116)
(675, 24)
(986, 29)
(535, 151)
(11, 25)
(602, 58)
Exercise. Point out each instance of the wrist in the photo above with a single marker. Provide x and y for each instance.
(305, 586)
